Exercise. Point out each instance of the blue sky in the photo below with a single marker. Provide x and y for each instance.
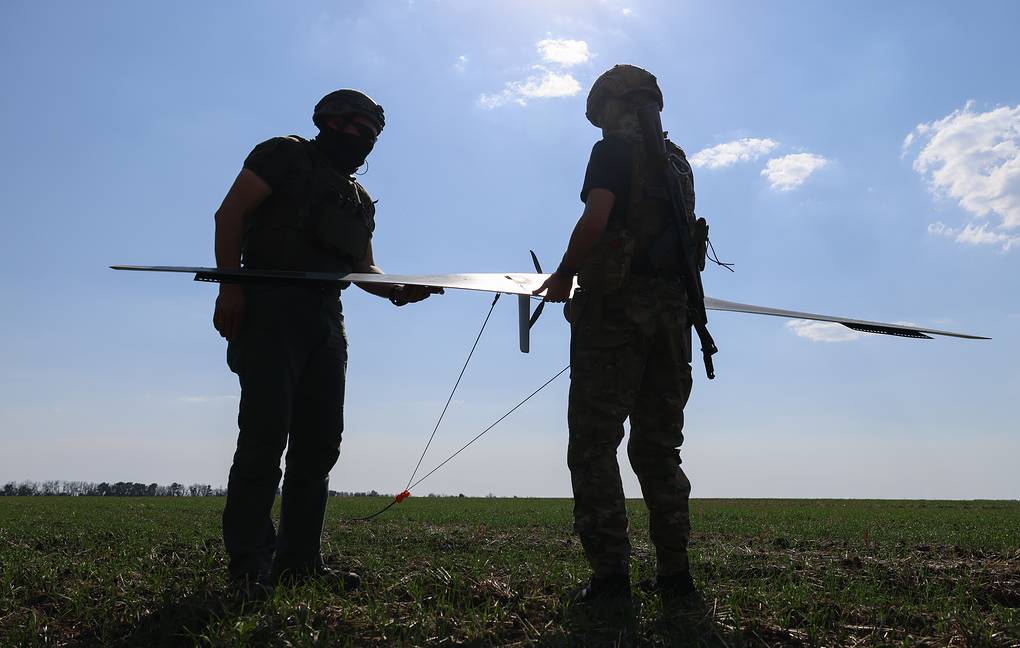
(859, 159)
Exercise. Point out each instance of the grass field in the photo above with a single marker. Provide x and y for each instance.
(450, 571)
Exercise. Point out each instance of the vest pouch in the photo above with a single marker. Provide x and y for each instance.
(608, 266)
(275, 247)
(341, 224)
(701, 241)
(664, 254)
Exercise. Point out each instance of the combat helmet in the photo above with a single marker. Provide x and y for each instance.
(345, 102)
(619, 82)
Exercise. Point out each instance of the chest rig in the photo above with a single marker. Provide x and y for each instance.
(318, 220)
(644, 242)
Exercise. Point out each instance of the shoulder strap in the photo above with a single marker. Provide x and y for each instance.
(636, 181)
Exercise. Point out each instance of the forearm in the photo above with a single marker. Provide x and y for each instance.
(399, 294)
(229, 233)
(368, 266)
(589, 229)
(380, 290)
(584, 237)
(245, 195)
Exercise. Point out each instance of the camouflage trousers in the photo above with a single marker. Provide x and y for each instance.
(630, 357)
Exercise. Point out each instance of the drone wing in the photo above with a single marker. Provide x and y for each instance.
(510, 283)
(523, 284)
(865, 326)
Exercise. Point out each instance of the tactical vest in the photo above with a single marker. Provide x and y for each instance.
(318, 220)
(644, 242)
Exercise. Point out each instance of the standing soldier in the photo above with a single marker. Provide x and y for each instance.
(293, 206)
(630, 343)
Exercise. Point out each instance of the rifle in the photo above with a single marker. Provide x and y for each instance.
(685, 226)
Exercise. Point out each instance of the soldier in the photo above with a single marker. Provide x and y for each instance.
(293, 206)
(630, 347)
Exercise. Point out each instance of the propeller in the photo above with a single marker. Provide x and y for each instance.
(541, 305)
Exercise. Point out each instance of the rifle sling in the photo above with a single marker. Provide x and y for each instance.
(683, 220)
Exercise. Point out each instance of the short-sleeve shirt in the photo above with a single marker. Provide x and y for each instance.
(274, 159)
(610, 167)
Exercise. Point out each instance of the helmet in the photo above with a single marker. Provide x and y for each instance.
(619, 82)
(345, 102)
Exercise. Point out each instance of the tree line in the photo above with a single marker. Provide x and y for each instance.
(136, 489)
(115, 489)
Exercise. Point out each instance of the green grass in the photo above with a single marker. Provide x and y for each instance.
(449, 571)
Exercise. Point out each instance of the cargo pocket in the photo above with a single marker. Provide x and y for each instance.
(234, 356)
(574, 306)
(606, 367)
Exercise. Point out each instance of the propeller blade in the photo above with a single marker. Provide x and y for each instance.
(534, 316)
(534, 259)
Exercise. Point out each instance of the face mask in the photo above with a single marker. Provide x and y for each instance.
(626, 126)
(346, 150)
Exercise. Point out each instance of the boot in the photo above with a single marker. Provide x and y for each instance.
(335, 579)
(604, 589)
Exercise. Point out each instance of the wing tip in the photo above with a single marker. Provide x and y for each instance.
(907, 332)
(896, 331)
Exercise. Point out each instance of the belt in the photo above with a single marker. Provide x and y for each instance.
(324, 289)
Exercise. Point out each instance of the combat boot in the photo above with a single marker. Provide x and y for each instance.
(337, 579)
(334, 579)
(605, 589)
(673, 586)
(679, 593)
(250, 588)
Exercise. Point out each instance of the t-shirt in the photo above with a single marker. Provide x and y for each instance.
(610, 168)
(274, 159)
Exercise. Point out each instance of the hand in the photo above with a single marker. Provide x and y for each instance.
(229, 311)
(403, 295)
(557, 288)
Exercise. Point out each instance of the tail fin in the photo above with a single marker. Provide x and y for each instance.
(526, 319)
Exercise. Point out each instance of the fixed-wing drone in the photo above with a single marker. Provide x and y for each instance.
(522, 285)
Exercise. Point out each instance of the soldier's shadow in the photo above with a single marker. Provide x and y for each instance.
(676, 628)
(638, 624)
(608, 624)
(174, 624)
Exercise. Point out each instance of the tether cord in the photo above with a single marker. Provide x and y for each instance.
(498, 421)
(399, 498)
(452, 392)
(376, 514)
(714, 258)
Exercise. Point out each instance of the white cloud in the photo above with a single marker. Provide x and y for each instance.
(979, 235)
(972, 234)
(729, 153)
(209, 399)
(549, 84)
(627, 11)
(461, 63)
(563, 51)
(974, 158)
(908, 141)
(790, 171)
(823, 331)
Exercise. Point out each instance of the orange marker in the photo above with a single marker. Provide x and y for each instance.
(403, 496)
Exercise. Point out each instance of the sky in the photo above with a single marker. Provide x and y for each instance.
(859, 159)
